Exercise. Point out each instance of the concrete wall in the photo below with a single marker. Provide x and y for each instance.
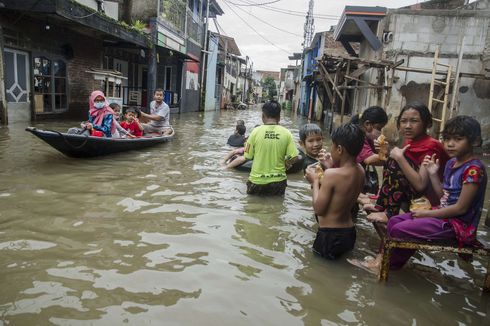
(422, 33)
(142, 9)
(416, 35)
(111, 8)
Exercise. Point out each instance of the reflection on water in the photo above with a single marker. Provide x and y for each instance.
(164, 235)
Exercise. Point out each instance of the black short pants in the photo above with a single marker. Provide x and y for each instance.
(268, 189)
(331, 243)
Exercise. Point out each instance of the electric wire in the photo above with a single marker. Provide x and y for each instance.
(261, 36)
(263, 21)
(219, 27)
(254, 4)
(293, 12)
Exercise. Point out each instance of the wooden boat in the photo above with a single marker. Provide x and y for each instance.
(86, 146)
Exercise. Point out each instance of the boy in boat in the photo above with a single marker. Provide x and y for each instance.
(336, 193)
(159, 115)
(272, 148)
(132, 123)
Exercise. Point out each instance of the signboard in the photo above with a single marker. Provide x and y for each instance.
(134, 98)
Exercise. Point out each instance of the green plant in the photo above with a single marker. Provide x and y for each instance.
(139, 25)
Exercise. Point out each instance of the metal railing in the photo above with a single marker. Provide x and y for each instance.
(194, 27)
(174, 12)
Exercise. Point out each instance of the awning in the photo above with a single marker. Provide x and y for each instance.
(358, 23)
(170, 52)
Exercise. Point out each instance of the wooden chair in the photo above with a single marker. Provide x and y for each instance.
(481, 248)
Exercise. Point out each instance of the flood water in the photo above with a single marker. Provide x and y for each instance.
(164, 236)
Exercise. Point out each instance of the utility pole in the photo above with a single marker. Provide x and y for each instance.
(245, 93)
(204, 53)
(309, 27)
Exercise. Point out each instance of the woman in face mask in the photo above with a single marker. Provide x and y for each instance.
(101, 121)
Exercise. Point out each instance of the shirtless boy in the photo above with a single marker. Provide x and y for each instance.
(336, 193)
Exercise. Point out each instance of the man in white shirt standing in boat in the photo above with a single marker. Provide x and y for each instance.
(159, 116)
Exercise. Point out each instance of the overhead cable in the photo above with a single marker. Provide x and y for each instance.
(254, 4)
(263, 21)
(261, 36)
(292, 12)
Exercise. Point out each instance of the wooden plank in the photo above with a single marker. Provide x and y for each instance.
(359, 80)
(432, 80)
(325, 84)
(344, 95)
(454, 98)
(334, 86)
(442, 72)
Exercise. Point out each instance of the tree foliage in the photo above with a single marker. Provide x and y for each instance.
(269, 87)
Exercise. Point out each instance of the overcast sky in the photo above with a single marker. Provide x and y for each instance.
(269, 33)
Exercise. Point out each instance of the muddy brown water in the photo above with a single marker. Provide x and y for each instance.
(165, 236)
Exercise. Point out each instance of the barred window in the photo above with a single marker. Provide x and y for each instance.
(50, 85)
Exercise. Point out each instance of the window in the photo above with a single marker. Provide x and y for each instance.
(49, 85)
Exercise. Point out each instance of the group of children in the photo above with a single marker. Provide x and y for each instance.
(129, 122)
(337, 178)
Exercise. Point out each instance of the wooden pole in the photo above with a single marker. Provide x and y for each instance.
(432, 81)
(334, 100)
(453, 105)
(344, 95)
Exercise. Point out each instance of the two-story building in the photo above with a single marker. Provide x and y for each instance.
(178, 29)
(312, 94)
(229, 83)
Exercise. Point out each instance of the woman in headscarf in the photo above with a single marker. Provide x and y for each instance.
(101, 120)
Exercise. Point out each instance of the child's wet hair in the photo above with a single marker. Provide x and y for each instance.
(373, 114)
(240, 129)
(463, 126)
(308, 130)
(350, 136)
(114, 105)
(423, 111)
(272, 109)
(240, 122)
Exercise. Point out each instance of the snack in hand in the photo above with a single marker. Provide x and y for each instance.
(383, 147)
(319, 170)
(420, 203)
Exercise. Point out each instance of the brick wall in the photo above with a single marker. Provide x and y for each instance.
(87, 53)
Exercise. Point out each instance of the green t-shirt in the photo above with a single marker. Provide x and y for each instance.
(269, 146)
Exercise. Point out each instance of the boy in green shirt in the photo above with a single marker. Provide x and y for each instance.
(271, 147)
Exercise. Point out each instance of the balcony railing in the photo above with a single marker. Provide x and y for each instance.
(173, 12)
(194, 27)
